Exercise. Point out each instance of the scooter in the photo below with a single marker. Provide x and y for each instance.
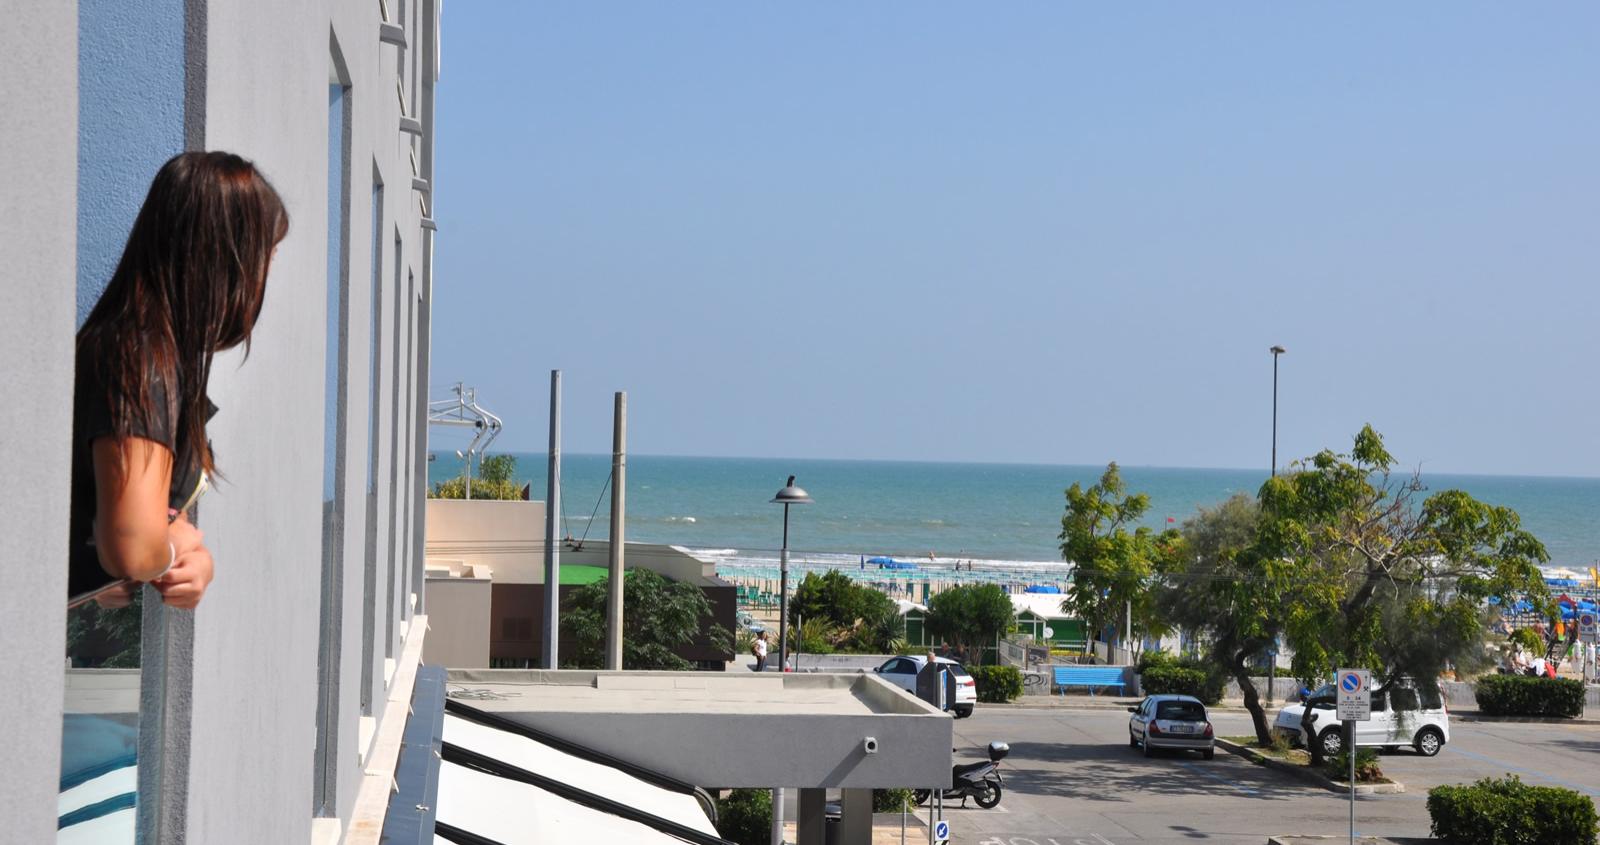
(979, 781)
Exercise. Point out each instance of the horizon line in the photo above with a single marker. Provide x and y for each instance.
(1101, 467)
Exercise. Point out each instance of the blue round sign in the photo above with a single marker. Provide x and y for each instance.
(1350, 683)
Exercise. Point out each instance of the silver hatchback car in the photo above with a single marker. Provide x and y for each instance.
(1178, 722)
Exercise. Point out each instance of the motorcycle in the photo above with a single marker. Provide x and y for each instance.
(979, 781)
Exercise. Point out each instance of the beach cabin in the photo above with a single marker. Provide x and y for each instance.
(1037, 611)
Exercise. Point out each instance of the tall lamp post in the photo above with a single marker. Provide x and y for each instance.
(1276, 351)
(1272, 659)
(789, 495)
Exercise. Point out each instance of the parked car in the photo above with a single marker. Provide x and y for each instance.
(1178, 722)
(1402, 714)
(902, 672)
(748, 623)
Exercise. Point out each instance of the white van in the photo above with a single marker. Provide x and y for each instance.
(1402, 714)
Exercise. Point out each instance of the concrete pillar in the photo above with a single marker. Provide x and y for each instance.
(856, 821)
(813, 816)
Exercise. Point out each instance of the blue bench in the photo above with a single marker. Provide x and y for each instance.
(1088, 676)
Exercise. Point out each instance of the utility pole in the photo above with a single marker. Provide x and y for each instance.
(619, 481)
(552, 540)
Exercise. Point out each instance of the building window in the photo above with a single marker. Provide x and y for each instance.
(369, 578)
(336, 369)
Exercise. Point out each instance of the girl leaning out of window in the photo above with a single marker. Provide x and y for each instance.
(190, 284)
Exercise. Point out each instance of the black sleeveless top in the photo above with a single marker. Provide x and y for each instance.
(91, 419)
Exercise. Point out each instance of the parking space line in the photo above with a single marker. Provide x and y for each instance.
(1201, 771)
(1525, 771)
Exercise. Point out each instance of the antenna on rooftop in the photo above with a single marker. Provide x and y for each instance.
(463, 411)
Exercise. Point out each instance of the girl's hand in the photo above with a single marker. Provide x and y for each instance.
(186, 582)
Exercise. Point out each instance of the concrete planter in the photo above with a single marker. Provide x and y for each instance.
(1308, 774)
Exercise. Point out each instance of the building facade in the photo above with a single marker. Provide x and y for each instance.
(270, 713)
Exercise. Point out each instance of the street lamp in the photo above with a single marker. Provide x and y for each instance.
(789, 495)
(1272, 656)
(1276, 351)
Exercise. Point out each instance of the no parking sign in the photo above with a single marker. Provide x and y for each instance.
(1355, 694)
(1587, 626)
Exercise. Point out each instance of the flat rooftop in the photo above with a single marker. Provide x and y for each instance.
(682, 692)
(729, 729)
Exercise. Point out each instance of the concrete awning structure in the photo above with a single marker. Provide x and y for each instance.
(719, 729)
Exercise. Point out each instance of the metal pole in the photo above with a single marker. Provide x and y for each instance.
(777, 816)
(1275, 414)
(783, 595)
(552, 550)
(1350, 750)
(1272, 659)
(619, 476)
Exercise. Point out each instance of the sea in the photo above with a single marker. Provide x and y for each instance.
(991, 517)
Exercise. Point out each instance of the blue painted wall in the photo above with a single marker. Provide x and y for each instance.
(130, 121)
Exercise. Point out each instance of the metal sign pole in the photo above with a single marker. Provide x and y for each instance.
(1350, 751)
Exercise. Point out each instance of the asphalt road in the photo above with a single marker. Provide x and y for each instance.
(1071, 779)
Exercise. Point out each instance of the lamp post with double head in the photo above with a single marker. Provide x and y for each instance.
(789, 495)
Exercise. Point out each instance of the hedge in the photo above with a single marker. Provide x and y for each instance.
(893, 800)
(1524, 695)
(1509, 812)
(1175, 680)
(745, 816)
(997, 684)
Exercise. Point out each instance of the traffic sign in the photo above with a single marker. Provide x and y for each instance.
(941, 831)
(1587, 627)
(1354, 687)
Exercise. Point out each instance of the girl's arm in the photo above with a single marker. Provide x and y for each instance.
(132, 478)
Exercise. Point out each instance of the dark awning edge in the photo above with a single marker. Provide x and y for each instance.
(462, 837)
(499, 722)
(410, 817)
(499, 768)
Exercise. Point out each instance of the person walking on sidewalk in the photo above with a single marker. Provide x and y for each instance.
(759, 649)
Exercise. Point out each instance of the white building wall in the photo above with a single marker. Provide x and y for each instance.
(239, 679)
(38, 233)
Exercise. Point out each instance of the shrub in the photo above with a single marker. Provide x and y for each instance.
(1522, 695)
(1179, 680)
(889, 801)
(997, 684)
(1155, 660)
(1509, 812)
(1367, 771)
(745, 816)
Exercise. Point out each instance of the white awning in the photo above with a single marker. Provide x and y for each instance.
(509, 784)
(99, 809)
(515, 813)
(587, 775)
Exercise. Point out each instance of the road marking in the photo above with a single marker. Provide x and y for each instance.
(1526, 771)
(1201, 771)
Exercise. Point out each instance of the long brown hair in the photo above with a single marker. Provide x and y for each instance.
(191, 283)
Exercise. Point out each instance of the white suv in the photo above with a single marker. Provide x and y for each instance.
(1402, 714)
(902, 672)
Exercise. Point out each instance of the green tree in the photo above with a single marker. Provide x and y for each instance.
(1112, 565)
(1381, 576)
(495, 479)
(659, 616)
(1218, 591)
(970, 616)
(858, 618)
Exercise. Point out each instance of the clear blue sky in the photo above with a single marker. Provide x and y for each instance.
(1036, 232)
